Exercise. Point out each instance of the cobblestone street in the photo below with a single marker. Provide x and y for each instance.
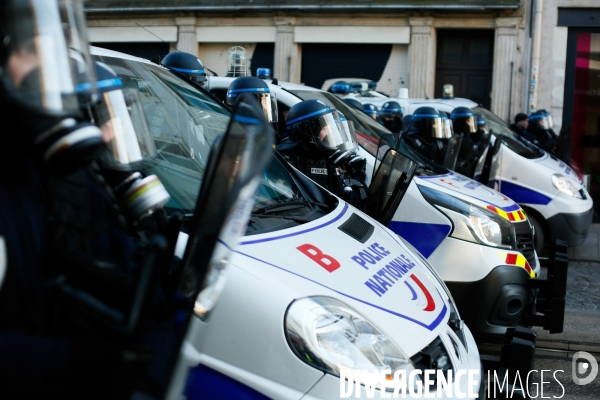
(583, 286)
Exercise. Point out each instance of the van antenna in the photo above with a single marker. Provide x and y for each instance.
(170, 45)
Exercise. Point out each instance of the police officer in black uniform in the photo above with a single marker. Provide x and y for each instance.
(318, 144)
(391, 116)
(372, 111)
(260, 90)
(464, 123)
(427, 135)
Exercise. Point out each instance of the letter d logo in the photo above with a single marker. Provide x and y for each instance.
(581, 367)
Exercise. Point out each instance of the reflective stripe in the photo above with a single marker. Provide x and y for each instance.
(518, 215)
(108, 83)
(462, 115)
(262, 90)
(323, 111)
(518, 260)
(426, 115)
(188, 71)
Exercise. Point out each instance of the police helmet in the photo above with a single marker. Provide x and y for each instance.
(186, 64)
(321, 125)
(258, 88)
(372, 111)
(391, 116)
(463, 120)
(447, 124)
(427, 123)
(548, 118)
(354, 103)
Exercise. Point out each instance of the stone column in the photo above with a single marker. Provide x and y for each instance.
(186, 40)
(422, 57)
(287, 54)
(507, 68)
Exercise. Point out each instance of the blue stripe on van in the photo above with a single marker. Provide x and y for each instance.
(425, 237)
(206, 383)
(520, 194)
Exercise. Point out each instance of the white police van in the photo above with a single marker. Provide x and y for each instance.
(448, 218)
(549, 190)
(297, 307)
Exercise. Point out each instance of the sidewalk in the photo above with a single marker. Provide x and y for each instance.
(582, 310)
(589, 250)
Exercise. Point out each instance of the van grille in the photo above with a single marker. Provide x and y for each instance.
(527, 248)
(435, 358)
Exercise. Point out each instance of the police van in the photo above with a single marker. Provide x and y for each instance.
(449, 218)
(548, 189)
(298, 301)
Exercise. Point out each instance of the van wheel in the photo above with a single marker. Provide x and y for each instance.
(540, 236)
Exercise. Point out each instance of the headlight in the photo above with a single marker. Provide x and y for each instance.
(330, 336)
(472, 223)
(564, 185)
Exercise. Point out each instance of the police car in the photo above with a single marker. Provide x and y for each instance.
(488, 276)
(301, 300)
(548, 189)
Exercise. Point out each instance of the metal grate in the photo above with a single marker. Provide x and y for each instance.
(357, 228)
(526, 247)
(434, 357)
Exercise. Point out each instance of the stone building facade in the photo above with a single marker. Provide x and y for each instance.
(410, 44)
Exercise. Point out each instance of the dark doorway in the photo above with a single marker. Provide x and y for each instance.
(148, 50)
(263, 57)
(465, 60)
(322, 61)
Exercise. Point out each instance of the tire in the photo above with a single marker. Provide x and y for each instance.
(540, 235)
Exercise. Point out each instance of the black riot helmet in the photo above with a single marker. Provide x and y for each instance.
(260, 90)
(354, 103)
(391, 116)
(372, 111)
(314, 121)
(186, 64)
(427, 123)
(45, 68)
(463, 120)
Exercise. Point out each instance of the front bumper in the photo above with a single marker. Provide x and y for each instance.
(491, 305)
(572, 228)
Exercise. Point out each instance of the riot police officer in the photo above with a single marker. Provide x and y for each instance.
(186, 64)
(38, 84)
(353, 103)
(540, 126)
(319, 145)
(427, 135)
(464, 123)
(391, 116)
(260, 90)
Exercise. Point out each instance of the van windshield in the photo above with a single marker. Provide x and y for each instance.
(185, 122)
(510, 139)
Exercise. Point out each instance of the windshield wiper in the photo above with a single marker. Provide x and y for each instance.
(288, 204)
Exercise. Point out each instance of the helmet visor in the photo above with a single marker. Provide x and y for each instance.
(543, 123)
(328, 131)
(47, 54)
(373, 114)
(434, 127)
(470, 124)
(350, 142)
(122, 121)
(268, 102)
(550, 121)
(448, 128)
